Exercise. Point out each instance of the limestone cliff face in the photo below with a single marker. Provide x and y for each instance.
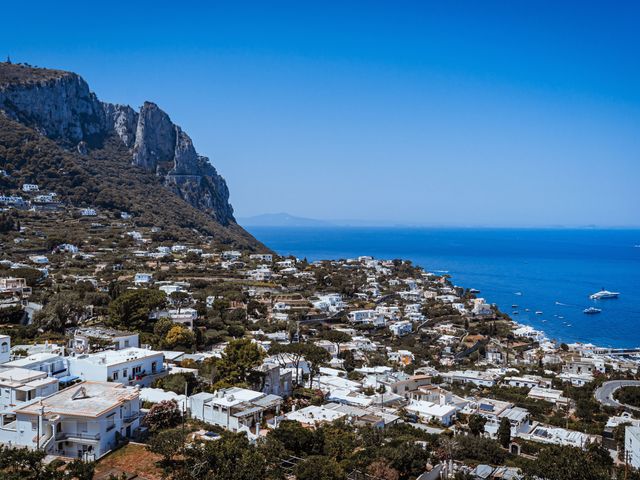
(61, 106)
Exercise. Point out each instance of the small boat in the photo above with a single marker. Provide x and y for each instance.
(474, 290)
(526, 309)
(591, 310)
(515, 313)
(518, 293)
(539, 312)
(514, 306)
(543, 321)
(604, 294)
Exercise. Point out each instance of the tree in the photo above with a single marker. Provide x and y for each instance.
(167, 444)
(238, 360)
(382, 470)
(504, 432)
(317, 467)
(132, 308)
(179, 335)
(164, 414)
(476, 424)
(290, 353)
(176, 383)
(557, 462)
(79, 470)
(316, 357)
(162, 327)
(231, 457)
(180, 300)
(297, 439)
(337, 337)
(63, 309)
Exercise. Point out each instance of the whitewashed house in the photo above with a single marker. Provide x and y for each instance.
(234, 409)
(19, 385)
(129, 366)
(83, 421)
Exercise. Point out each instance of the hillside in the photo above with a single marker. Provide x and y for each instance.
(55, 133)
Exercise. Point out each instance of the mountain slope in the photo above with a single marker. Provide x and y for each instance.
(55, 132)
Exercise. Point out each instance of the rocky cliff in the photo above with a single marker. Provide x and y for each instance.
(60, 106)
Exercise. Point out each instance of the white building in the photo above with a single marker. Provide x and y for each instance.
(129, 366)
(142, 278)
(632, 445)
(482, 379)
(313, 415)
(5, 348)
(30, 187)
(19, 385)
(402, 328)
(234, 409)
(50, 363)
(429, 412)
(119, 339)
(83, 421)
(262, 257)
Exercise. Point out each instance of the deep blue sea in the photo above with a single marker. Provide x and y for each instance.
(555, 270)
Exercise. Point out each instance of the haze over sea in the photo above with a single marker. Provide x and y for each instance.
(554, 269)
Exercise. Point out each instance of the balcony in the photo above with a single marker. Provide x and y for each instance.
(130, 417)
(77, 436)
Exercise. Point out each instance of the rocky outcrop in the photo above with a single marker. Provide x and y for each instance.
(123, 120)
(61, 106)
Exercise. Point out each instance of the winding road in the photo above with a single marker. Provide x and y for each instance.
(604, 394)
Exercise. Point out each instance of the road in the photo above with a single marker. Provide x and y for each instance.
(604, 394)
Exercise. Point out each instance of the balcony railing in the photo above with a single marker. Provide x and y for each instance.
(80, 435)
(130, 417)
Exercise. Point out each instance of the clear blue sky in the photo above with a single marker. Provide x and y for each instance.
(465, 113)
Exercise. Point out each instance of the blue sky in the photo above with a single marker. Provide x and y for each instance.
(457, 113)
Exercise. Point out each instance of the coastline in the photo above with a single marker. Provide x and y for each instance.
(556, 270)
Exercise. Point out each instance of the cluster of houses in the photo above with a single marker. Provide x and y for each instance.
(81, 399)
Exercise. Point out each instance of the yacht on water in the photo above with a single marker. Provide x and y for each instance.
(591, 310)
(603, 294)
(474, 290)
(538, 312)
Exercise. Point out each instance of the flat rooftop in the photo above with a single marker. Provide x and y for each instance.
(16, 375)
(86, 399)
(114, 357)
(31, 359)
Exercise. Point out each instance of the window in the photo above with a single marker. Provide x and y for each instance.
(82, 427)
(115, 375)
(126, 344)
(154, 366)
(125, 373)
(111, 423)
(34, 425)
(5, 347)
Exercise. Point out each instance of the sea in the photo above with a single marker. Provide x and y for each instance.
(552, 271)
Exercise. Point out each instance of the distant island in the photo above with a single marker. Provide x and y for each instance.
(281, 220)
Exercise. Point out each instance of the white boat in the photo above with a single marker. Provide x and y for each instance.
(474, 290)
(538, 312)
(603, 294)
(518, 293)
(591, 310)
